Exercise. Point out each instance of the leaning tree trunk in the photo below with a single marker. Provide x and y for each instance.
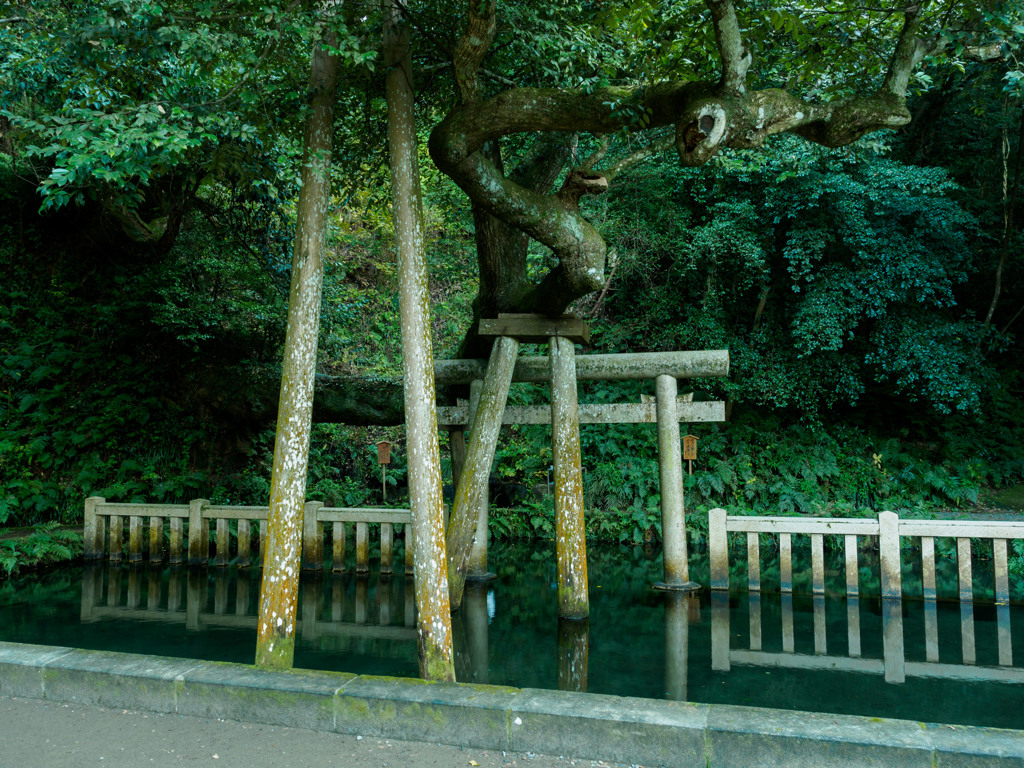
(275, 644)
(432, 603)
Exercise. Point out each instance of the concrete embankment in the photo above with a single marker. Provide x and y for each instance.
(582, 726)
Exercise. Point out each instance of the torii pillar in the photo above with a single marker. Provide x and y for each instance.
(561, 333)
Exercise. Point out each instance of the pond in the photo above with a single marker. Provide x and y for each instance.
(930, 661)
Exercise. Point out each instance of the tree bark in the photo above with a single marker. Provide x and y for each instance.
(708, 117)
(275, 643)
(434, 619)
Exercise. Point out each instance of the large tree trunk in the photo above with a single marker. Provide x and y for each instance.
(433, 608)
(708, 116)
(275, 643)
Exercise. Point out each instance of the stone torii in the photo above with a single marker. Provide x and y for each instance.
(563, 369)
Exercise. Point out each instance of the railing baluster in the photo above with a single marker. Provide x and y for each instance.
(362, 547)
(852, 570)
(135, 539)
(718, 546)
(338, 535)
(963, 562)
(889, 555)
(116, 542)
(817, 564)
(198, 533)
(156, 539)
(223, 555)
(93, 536)
(1002, 583)
(177, 531)
(928, 567)
(244, 544)
(753, 562)
(785, 563)
(387, 539)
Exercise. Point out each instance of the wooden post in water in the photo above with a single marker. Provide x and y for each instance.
(670, 472)
(570, 530)
(483, 440)
(476, 567)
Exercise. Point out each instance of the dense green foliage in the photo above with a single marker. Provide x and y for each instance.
(146, 217)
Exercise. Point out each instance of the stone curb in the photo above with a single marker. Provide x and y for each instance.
(578, 725)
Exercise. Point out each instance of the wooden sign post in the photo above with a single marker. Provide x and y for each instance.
(383, 459)
(690, 451)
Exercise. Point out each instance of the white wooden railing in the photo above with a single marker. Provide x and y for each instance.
(887, 528)
(148, 524)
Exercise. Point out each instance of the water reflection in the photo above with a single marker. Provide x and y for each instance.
(342, 613)
(893, 665)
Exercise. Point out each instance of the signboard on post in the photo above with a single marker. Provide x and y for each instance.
(690, 451)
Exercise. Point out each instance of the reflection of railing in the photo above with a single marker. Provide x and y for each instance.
(893, 665)
(151, 525)
(888, 529)
(193, 585)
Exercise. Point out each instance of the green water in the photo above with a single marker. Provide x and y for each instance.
(637, 642)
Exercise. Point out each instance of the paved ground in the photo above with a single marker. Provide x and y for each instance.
(46, 734)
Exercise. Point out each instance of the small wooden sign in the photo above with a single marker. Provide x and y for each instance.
(383, 452)
(689, 448)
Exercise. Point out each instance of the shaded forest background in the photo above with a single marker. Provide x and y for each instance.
(140, 344)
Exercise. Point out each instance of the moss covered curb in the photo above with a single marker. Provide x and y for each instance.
(586, 726)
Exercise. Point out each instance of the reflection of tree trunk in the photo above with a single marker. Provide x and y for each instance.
(1009, 205)
(275, 644)
(573, 654)
(434, 612)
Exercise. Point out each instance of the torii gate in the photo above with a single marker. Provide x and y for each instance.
(563, 369)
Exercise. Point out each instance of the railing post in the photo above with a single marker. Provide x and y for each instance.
(244, 544)
(94, 529)
(312, 537)
(718, 548)
(889, 554)
(175, 531)
(198, 533)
